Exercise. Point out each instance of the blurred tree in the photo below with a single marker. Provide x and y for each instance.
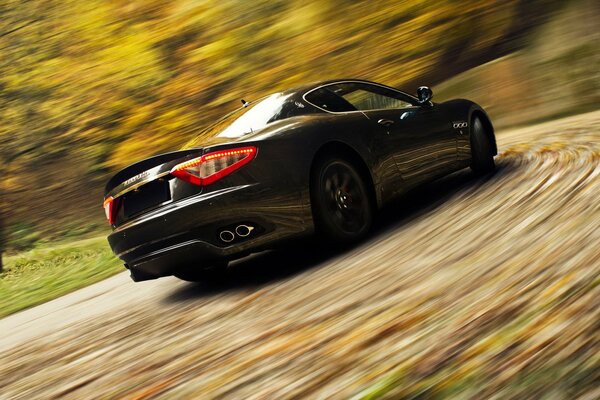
(87, 87)
(2, 235)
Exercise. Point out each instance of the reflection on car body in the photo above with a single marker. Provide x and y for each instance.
(319, 158)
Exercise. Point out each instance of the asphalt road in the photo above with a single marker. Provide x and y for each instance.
(468, 287)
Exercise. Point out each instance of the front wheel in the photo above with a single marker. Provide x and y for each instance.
(341, 201)
(482, 155)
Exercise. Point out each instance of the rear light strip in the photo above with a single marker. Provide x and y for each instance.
(109, 209)
(201, 171)
(213, 166)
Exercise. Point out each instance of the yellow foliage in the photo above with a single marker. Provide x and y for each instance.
(101, 83)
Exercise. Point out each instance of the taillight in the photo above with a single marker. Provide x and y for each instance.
(109, 209)
(213, 166)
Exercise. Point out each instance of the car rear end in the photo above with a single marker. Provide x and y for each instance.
(198, 207)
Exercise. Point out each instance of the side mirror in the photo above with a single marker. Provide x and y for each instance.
(424, 94)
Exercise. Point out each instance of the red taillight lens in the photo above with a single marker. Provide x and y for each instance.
(213, 166)
(109, 203)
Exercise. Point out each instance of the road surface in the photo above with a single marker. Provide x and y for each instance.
(468, 287)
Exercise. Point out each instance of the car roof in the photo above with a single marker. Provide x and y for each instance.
(302, 89)
(299, 92)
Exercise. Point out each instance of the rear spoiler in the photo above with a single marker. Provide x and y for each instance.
(143, 171)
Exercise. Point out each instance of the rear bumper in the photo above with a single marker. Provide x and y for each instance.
(164, 262)
(185, 234)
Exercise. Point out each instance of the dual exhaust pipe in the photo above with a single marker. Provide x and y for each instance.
(241, 231)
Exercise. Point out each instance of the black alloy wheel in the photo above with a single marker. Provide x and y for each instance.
(341, 201)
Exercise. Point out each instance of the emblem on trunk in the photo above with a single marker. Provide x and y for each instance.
(136, 178)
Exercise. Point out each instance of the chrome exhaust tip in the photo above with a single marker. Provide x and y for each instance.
(243, 230)
(226, 236)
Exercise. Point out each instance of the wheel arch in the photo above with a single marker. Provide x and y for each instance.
(347, 152)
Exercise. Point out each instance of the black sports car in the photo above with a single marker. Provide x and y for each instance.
(322, 157)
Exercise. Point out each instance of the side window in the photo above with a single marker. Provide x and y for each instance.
(326, 99)
(366, 97)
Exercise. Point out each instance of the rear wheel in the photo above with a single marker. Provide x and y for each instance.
(213, 273)
(482, 157)
(341, 201)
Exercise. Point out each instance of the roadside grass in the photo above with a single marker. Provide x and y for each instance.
(45, 273)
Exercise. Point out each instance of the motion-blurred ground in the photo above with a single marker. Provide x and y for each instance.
(470, 287)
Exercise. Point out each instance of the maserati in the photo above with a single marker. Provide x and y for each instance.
(317, 159)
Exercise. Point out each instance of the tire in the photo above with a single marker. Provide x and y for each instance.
(482, 157)
(341, 201)
(215, 273)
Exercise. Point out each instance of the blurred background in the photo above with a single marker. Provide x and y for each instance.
(87, 87)
(471, 287)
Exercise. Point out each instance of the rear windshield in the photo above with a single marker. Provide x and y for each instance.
(254, 117)
(248, 119)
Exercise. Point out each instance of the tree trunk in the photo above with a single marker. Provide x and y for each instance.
(2, 238)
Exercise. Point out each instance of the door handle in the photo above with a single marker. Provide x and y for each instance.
(385, 122)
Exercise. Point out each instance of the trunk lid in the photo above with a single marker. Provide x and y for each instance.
(144, 185)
